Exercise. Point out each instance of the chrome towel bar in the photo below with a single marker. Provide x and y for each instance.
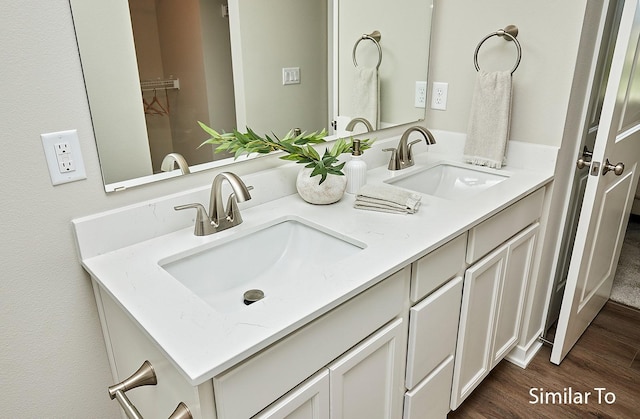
(509, 33)
(374, 37)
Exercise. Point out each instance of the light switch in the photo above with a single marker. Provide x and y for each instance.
(62, 150)
(291, 75)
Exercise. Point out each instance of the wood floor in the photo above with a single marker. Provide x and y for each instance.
(606, 356)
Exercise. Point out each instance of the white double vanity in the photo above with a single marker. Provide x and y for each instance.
(367, 315)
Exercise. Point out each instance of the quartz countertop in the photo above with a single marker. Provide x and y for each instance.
(202, 342)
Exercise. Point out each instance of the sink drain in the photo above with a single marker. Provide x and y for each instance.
(252, 296)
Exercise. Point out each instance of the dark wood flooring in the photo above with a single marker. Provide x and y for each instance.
(606, 356)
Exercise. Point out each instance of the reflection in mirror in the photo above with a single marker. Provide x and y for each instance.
(153, 68)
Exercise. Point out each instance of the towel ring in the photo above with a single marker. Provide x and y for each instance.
(375, 37)
(509, 32)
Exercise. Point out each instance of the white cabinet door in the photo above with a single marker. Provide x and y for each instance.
(493, 300)
(513, 293)
(367, 382)
(475, 334)
(310, 400)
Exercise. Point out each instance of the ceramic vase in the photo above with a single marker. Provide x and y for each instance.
(314, 192)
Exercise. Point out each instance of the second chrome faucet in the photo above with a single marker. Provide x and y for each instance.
(220, 218)
(402, 156)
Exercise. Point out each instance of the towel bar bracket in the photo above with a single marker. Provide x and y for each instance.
(511, 30)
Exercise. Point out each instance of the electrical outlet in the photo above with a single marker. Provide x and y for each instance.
(66, 165)
(420, 100)
(439, 95)
(62, 150)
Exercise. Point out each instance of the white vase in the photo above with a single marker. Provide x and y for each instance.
(314, 192)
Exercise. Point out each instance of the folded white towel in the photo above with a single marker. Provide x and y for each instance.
(387, 198)
(490, 119)
(366, 95)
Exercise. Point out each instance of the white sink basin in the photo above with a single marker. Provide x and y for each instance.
(448, 181)
(268, 258)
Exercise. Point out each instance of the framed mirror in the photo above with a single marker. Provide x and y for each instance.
(153, 68)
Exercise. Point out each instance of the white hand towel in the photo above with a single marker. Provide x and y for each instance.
(366, 95)
(387, 198)
(490, 119)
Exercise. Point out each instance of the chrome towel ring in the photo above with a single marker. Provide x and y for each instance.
(509, 33)
(374, 37)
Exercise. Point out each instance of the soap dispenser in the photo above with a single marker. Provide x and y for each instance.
(355, 169)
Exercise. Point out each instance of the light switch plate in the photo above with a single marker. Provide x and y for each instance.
(62, 150)
(291, 75)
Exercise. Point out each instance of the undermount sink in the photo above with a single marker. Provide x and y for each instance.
(448, 181)
(268, 258)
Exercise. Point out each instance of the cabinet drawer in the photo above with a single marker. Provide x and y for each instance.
(430, 398)
(433, 330)
(436, 268)
(276, 370)
(489, 234)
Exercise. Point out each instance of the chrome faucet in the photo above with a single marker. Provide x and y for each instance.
(171, 159)
(220, 218)
(402, 157)
(352, 124)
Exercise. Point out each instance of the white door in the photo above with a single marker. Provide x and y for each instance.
(609, 194)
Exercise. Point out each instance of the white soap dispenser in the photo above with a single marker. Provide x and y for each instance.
(355, 169)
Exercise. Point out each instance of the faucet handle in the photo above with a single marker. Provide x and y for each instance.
(409, 152)
(203, 223)
(394, 163)
(233, 213)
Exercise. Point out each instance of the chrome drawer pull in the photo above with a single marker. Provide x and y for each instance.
(145, 376)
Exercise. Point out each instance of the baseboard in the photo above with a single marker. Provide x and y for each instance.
(521, 356)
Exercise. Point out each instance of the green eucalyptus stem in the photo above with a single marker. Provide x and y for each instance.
(298, 148)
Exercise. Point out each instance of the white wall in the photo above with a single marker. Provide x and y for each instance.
(404, 30)
(549, 36)
(284, 39)
(52, 354)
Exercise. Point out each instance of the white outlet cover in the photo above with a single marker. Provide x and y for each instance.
(439, 96)
(420, 99)
(50, 143)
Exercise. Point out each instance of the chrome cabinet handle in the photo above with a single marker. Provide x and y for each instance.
(616, 169)
(181, 412)
(145, 376)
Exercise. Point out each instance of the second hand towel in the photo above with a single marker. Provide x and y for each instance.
(366, 95)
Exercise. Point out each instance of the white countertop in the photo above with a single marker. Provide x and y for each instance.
(202, 342)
